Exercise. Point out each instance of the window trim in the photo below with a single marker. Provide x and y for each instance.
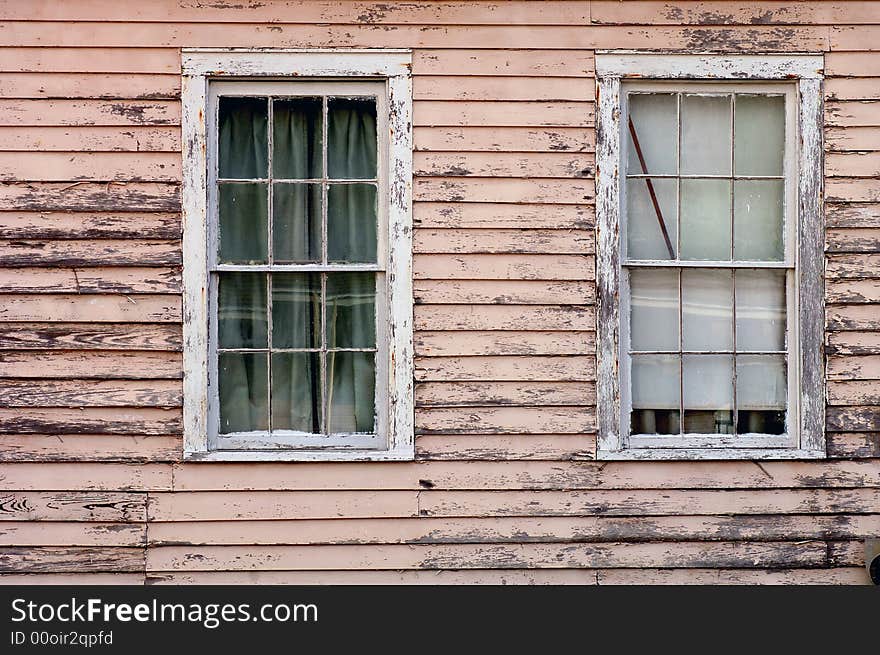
(200, 67)
(806, 71)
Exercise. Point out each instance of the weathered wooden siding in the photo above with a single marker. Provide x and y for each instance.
(505, 488)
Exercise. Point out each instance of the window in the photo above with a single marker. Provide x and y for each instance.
(709, 257)
(297, 222)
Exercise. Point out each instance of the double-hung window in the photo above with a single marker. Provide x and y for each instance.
(709, 257)
(297, 267)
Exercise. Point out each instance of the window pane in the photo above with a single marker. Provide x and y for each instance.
(705, 135)
(296, 139)
(296, 392)
(351, 142)
(757, 220)
(351, 391)
(759, 138)
(243, 223)
(760, 310)
(296, 310)
(705, 219)
(655, 394)
(655, 122)
(707, 309)
(644, 228)
(351, 223)
(761, 393)
(243, 393)
(296, 227)
(243, 143)
(241, 311)
(351, 314)
(708, 394)
(654, 305)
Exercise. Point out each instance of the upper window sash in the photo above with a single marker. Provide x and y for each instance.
(392, 70)
(634, 68)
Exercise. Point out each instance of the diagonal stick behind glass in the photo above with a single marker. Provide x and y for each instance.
(632, 131)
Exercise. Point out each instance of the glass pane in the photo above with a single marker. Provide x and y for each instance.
(761, 393)
(655, 123)
(351, 391)
(655, 394)
(351, 223)
(654, 307)
(757, 220)
(241, 310)
(296, 392)
(707, 309)
(760, 310)
(644, 227)
(296, 310)
(243, 141)
(243, 223)
(705, 219)
(351, 142)
(296, 227)
(708, 394)
(244, 396)
(296, 139)
(351, 314)
(705, 135)
(759, 137)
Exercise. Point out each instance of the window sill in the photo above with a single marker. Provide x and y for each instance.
(689, 454)
(397, 455)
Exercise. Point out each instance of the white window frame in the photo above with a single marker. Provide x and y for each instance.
(263, 71)
(806, 439)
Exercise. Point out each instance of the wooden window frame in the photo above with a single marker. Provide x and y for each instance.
(315, 69)
(805, 72)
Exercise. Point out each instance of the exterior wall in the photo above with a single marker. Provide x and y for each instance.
(505, 487)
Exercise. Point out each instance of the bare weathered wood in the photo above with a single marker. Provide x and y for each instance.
(90, 448)
(504, 292)
(852, 317)
(91, 420)
(128, 138)
(648, 503)
(89, 197)
(469, 342)
(854, 444)
(90, 393)
(92, 252)
(511, 530)
(854, 392)
(853, 291)
(522, 241)
(93, 506)
(481, 394)
(643, 12)
(510, 139)
(853, 240)
(73, 559)
(848, 367)
(90, 336)
(479, 556)
(67, 225)
(136, 365)
(854, 575)
(853, 266)
(852, 215)
(853, 343)
(99, 578)
(471, 447)
(89, 112)
(854, 419)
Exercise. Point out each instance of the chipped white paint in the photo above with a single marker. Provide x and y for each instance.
(806, 397)
(396, 425)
